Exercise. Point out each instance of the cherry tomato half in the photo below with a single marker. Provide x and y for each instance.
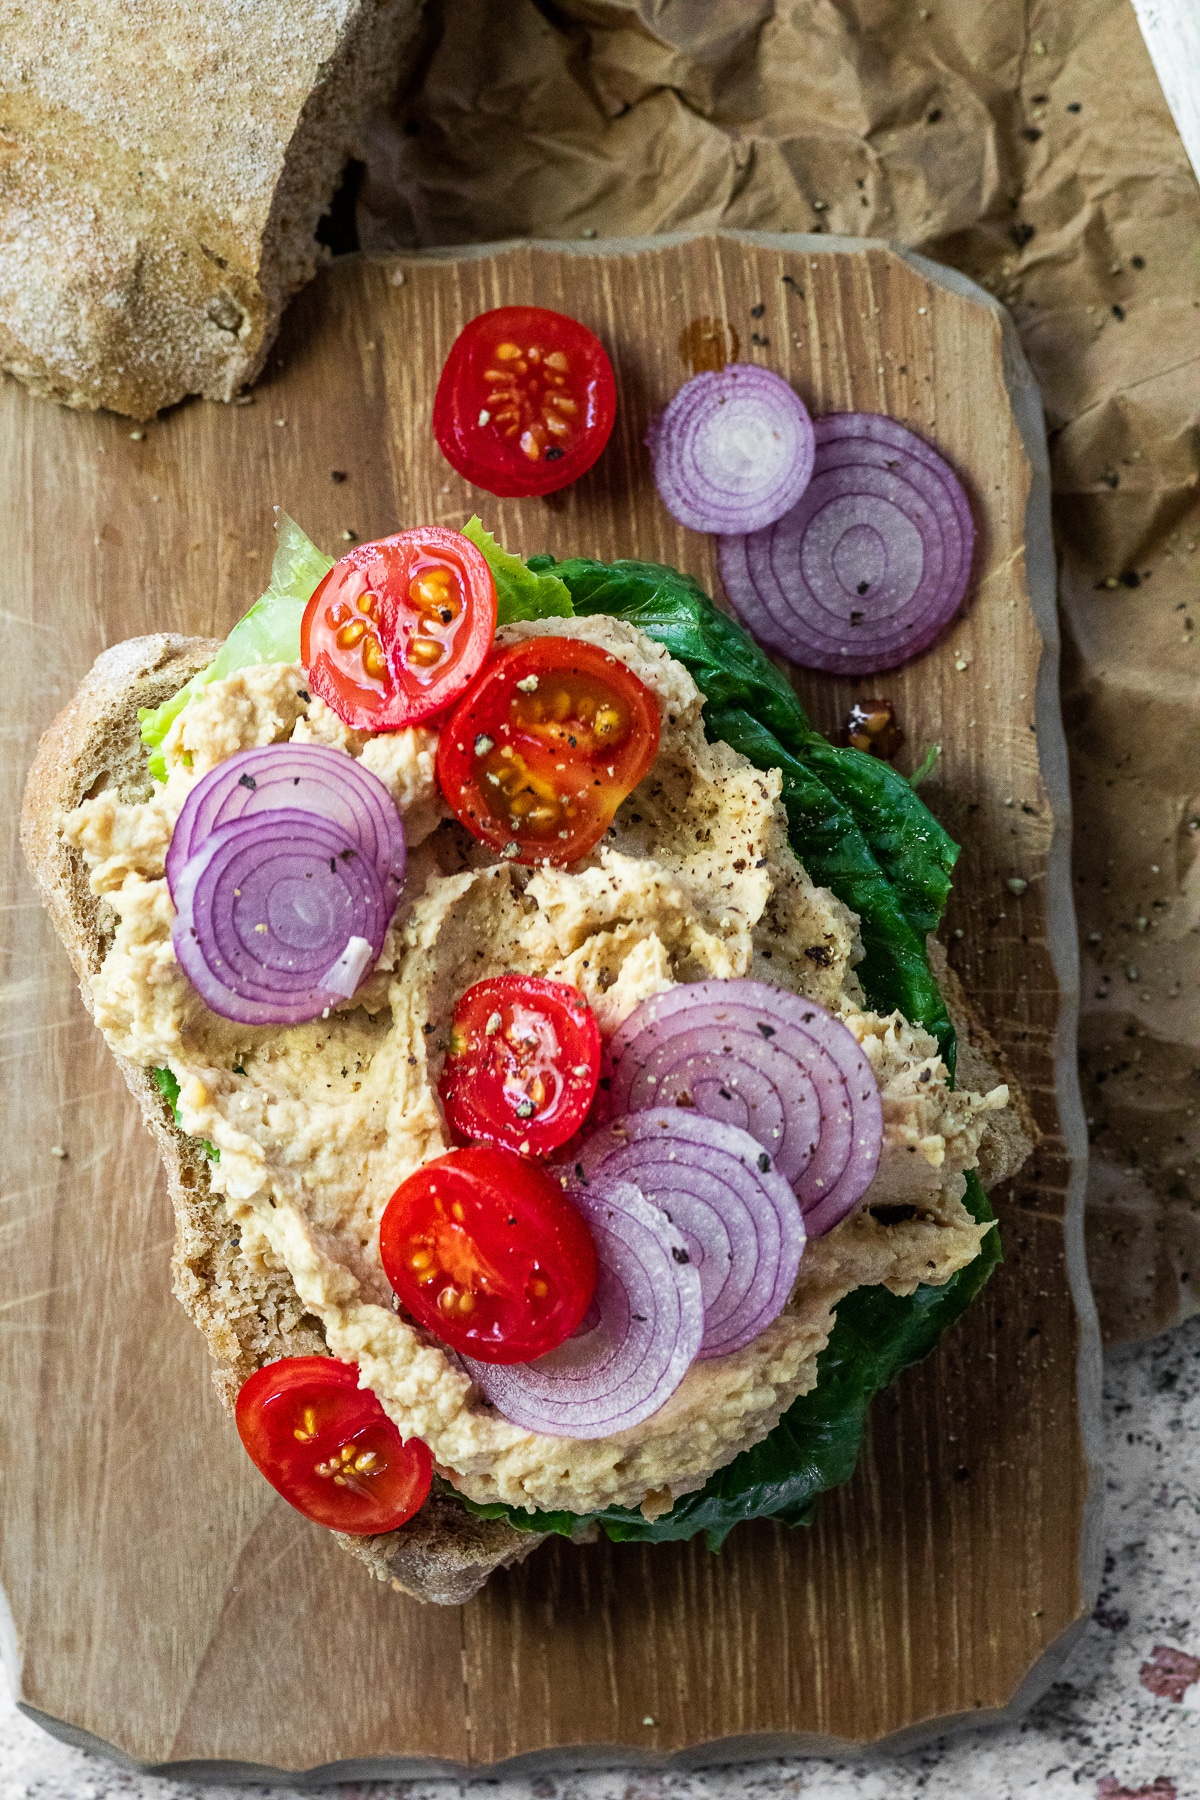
(540, 753)
(526, 401)
(486, 1252)
(523, 1063)
(329, 1448)
(398, 628)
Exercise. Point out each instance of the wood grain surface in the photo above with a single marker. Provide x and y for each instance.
(163, 1599)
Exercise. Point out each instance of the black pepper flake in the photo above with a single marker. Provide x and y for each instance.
(681, 1256)
(933, 115)
(1021, 233)
(862, 589)
(555, 453)
(1118, 312)
(756, 312)
(856, 618)
(764, 1163)
(333, 865)
(1137, 262)
(1130, 578)
(1074, 106)
(303, 694)
(338, 475)
(767, 1031)
(247, 781)
(790, 281)
(1031, 134)
(756, 337)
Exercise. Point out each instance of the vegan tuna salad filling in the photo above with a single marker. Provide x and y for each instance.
(315, 1126)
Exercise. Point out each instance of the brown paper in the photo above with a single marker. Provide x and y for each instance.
(1036, 154)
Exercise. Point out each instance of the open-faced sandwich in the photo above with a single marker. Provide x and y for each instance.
(555, 1095)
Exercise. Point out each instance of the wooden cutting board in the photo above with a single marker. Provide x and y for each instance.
(163, 1600)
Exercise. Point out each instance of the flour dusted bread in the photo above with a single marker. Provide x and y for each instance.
(162, 172)
(249, 1313)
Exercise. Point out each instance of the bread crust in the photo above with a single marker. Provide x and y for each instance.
(249, 1315)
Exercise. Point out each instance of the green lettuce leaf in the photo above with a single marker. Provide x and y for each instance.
(270, 632)
(167, 1083)
(521, 591)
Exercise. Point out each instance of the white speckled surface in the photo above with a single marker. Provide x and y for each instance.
(1101, 1732)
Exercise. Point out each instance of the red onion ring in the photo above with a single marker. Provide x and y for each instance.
(733, 451)
(637, 1342)
(770, 1062)
(872, 562)
(312, 778)
(303, 879)
(739, 1218)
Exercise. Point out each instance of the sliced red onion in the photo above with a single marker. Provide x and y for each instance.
(266, 905)
(739, 1217)
(771, 1062)
(347, 972)
(637, 1342)
(733, 451)
(873, 561)
(312, 778)
(874, 438)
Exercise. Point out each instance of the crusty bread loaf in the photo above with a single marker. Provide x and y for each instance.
(248, 1314)
(163, 169)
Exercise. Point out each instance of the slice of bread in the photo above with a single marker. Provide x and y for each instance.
(249, 1315)
(163, 169)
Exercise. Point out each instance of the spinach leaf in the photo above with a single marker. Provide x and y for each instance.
(856, 824)
(895, 968)
(816, 1444)
(725, 662)
(860, 830)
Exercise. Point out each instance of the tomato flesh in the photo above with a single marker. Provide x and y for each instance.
(484, 1250)
(329, 1448)
(523, 1063)
(398, 629)
(542, 750)
(526, 401)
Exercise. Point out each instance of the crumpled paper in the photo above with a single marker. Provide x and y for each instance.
(1030, 146)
